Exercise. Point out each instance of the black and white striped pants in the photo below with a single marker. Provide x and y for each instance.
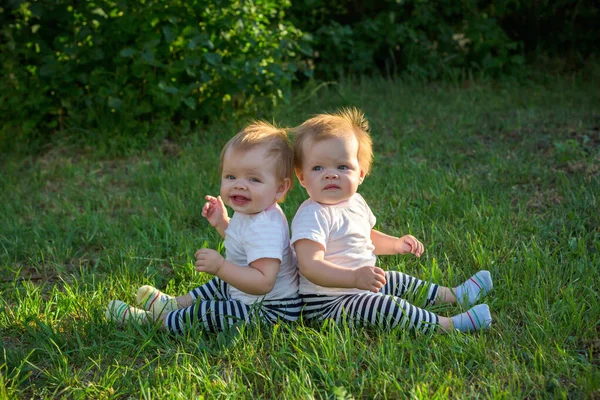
(385, 308)
(216, 310)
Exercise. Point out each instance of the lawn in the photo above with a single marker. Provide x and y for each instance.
(497, 176)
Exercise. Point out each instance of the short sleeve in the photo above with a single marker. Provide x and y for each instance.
(264, 239)
(363, 204)
(310, 224)
(371, 216)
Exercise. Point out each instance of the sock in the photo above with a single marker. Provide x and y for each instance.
(153, 300)
(476, 318)
(121, 312)
(474, 288)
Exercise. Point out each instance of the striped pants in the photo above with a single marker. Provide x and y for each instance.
(385, 309)
(216, 311)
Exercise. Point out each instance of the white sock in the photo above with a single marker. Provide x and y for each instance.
(155, 301)
(121, 312)
(474, 288)
(476, 318)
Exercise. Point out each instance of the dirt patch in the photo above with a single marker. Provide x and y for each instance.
(587, 169)
(39, 274)
(542, 199)
(170, 149)
(539, 136)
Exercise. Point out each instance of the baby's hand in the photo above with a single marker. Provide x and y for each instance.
(214, 210)
(369, 278)
(209, 261)
(409, 244)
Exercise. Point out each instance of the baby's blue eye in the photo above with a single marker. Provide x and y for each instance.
(229, 177)
(343, 167)
(255, 180)
(317, 168)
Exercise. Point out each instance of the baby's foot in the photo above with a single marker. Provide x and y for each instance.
(153, 300)
(476, 318)
(474, 288)
(121, 312)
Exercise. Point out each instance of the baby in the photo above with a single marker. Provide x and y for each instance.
(336, 245)
(258, 278)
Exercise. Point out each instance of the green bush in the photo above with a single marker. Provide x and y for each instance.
(558, 28)
(133, 64)
(438, 38)
(431, 39)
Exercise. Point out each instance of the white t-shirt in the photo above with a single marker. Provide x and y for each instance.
(344, 231)
(250, 237)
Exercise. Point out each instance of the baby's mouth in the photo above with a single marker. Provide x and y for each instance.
(240, 200)
(330, 187)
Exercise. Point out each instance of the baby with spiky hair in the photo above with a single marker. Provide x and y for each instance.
(336, 245)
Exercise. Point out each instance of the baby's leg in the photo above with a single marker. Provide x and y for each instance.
(476, 318)
(474, 288)
(281, 310)
(469, 292)
(218, 315)
(385, 311)
(215, 289)
(121, 313)
(212, 315)
(399, 284)
(151, 299)
(388, 311)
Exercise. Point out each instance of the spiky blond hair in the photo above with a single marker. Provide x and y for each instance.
(262, 133)
(335, 125)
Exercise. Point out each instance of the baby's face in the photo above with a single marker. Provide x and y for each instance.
(330, 170)
(249, 183)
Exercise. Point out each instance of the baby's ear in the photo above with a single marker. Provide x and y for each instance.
(362, 176)
(300, 177)
(283, 188)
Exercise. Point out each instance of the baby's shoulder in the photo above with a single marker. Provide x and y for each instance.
(358, 199)
(312, 209)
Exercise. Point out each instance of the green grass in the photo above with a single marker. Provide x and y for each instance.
(496, 176)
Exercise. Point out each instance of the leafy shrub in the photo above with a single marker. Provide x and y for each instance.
(437, 38)
(565, 28)
(133, 64)
(431, 39)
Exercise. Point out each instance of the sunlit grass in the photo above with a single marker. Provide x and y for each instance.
(495, 176)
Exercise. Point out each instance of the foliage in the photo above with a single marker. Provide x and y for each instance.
(134, 64)
(438, 39)
(150, 68)
(565, 28)
(429, 39)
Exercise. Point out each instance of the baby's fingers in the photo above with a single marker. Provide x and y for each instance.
(205, 209)
(420, 250)
(375, 288)
(417, 248)
(199, 252)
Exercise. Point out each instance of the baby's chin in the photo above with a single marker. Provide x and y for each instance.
(331, 202)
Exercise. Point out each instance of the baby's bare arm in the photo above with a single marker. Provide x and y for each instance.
(316, 269)
(386, 244)
(258, 278)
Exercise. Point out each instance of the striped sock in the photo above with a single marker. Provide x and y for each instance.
(121, 312)
(476, 318)
(151, 299)
(474, 288)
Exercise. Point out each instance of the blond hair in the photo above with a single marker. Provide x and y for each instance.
(335, 125)
(262, 133)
